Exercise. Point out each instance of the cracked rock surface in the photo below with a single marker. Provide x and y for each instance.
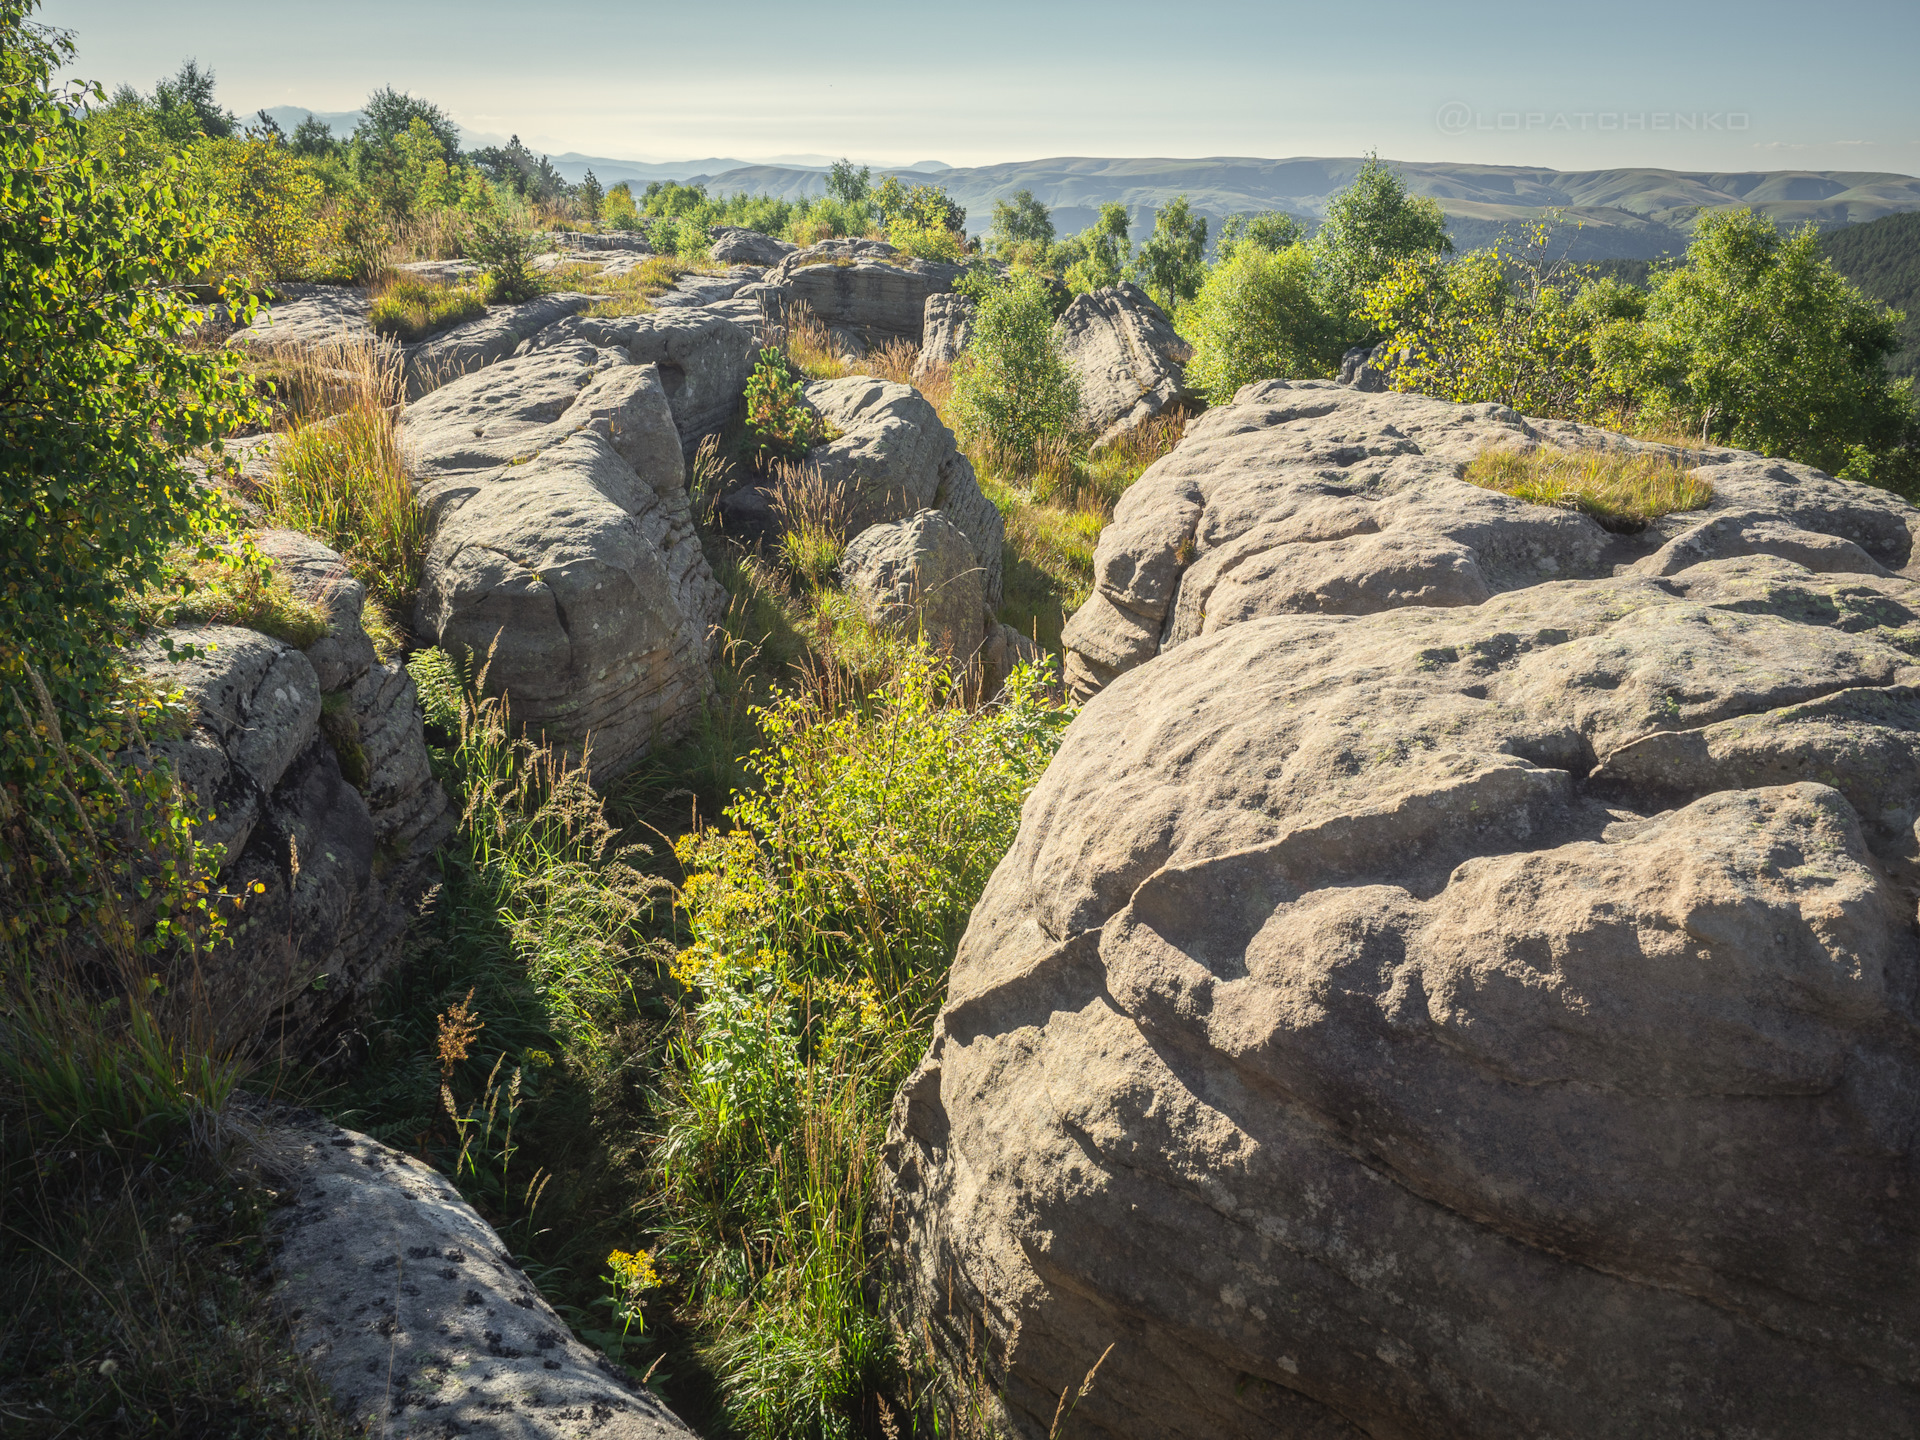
(1484, 1012)
(414, 1314)
(564, 547)
(1307, 497)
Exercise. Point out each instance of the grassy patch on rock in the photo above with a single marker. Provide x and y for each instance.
(410, 308)
(1622, 490)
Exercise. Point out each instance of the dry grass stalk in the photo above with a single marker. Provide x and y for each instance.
(814, 514)
(1623, 490)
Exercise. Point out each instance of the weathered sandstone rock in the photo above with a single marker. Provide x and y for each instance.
(920, 578)
(862, 285)
(478, 343)
(1308, 497)
(704, 359)
(308, 315)
(1492, 1021)
(314, 768)
(946, 329)
(1125, 354)
(564, 547)
(735, 246)
(415, 1315)
(895, 458)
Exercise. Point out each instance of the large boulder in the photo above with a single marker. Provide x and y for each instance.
(564, 552)
(920, 578)
(894, 457)
(1125, 355)
(478, 343)
(1495, 1020)
(1309, 497)
(704, 359)
(313, 767)
(413, 1313)
(865, 286)
(734, 246)
(946, 329)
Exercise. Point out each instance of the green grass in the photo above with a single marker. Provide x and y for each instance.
(410, 309)
(240, 588)
(1622, 490)
(631, 293)
(133, 1280)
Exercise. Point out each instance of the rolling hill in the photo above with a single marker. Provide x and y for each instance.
(1625, 213)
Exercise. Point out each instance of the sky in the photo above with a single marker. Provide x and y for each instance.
(1713, 86)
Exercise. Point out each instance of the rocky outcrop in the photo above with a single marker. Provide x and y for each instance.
(1440, 1017)
(735, 246)
(314, 767)
(564, 547)
(946, 329)
(920, 578)
(303, 316)
(865, 286)
(1308, 497)
(416, 1317)
(1127, 359)
(894, 458)
(704, 359)
(1364, 368)
(479, 343)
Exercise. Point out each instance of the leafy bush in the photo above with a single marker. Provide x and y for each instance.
(99, 401)
(1257, 317)
(1622, 490)
(1369, 226)
(1012, 390)
(1758, 342)
(822, 926)
(504, 243)
(282, 228)
(1503, 327)
(1172, 261)
(1022, 228)
(781, 425)
(1099, 255)
(1271, 230)
(411, 309)
(927, 242)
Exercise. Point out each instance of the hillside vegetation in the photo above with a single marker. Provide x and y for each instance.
(1882, 257)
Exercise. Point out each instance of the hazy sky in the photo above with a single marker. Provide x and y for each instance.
(1683, 86)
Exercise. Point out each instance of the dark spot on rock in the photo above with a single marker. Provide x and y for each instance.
(419, 1252)
(545, 1340)
(525, 1302)
(386, 1325)
(472, 1299)
(409, 1289)
(456, 1256)
(549, 1364)
(341, 1144)
(447, 1272)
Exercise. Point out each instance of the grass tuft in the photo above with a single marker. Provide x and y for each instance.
(410, 308)
(1623, 491)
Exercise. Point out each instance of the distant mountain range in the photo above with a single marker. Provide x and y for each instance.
(1628, 213)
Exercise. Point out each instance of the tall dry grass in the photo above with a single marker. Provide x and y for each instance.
(338, 470)
(1623, 490)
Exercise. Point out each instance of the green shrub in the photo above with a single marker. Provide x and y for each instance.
(1021, 226)
(1369, 226)
(410, 309)
(1013, 393)
(502, 240)
(1172, 261)
(1271, 230)
(1099, 255)
(99, 402)
(1500, 326)
(1758, 342)
(821, 926)
(781, 425)
(927, 242)
(1257, 318)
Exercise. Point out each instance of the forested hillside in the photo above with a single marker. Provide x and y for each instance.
(1882, 257)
